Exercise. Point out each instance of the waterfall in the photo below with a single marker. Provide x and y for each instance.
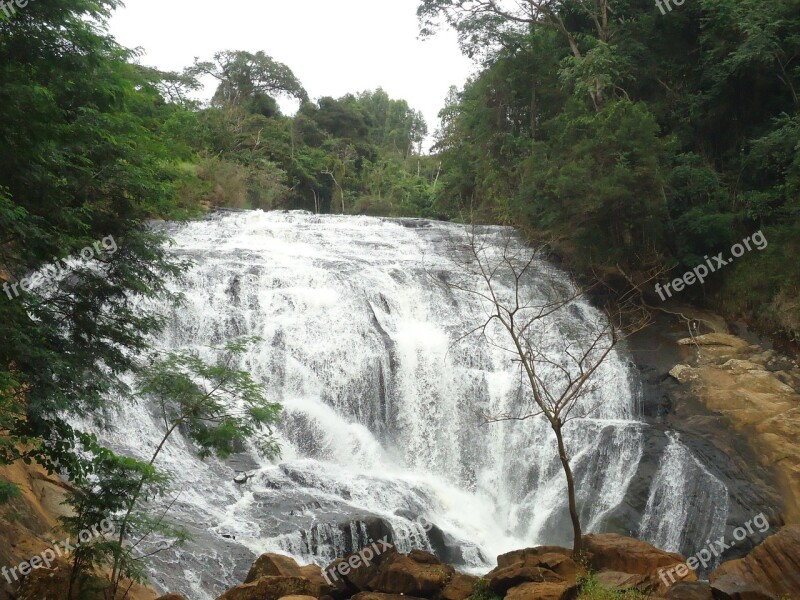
(381, 405)
(695, 499)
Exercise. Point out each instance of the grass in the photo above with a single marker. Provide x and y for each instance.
(591, 589)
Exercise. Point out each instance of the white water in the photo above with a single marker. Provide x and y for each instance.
(380, 422)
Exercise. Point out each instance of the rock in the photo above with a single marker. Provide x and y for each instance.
(742, 366)
(175, 597)
(278, 565)
(553, 558)
(731, 587)
(616, 580)
(353, 573)
(319, 586)
(415, 574)
(273, 565)
(379, 596)
(690, 591)
(614, 552)
(542, 591)
(773, 569)
(299, 598)
(502, 579)
(509, 558)
(269, 588)
(684, 373)
(715, 339)
(560, 564)
(460, 587)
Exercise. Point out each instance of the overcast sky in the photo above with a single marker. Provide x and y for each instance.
(333, 47)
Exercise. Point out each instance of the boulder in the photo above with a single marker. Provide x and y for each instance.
(299, 598)
(415, 574)
(715, 339)
(772, 569)
(173, 597)
(684, 373)
(693, 590)
(616, 580)
(319, 586)
(273, 565)
(269, 588)
(379, 596)
(542, 591)
(515, 556)
(353, 573)
(502, 579)
(460, 587)
(614, 552)
(278, 565)
(731, 587)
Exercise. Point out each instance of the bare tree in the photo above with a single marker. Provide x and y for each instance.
(559, 377)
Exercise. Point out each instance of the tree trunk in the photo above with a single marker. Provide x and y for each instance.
(577, 544)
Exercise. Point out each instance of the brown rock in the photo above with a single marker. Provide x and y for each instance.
(614, 552)
(542, 591)
(509, 558)
(772, 568)
(319, 586)
(502, 579)
(172, 597)
(273, 565)
(353, 573)
(460, 587)
(616, 580)
(379, 596)
(731, 587)
(278, 565)
(269, 588)
(403, 574)
(715, 339)
(299, 598)
(690, 591)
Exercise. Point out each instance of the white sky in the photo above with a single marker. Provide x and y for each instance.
(333, 46)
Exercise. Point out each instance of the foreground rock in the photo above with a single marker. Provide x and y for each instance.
(416, 574)
(619, 564)
(269, 588)
(460, 587)
(278, 565)
(622, 555)
(772, 570)
(542, 591)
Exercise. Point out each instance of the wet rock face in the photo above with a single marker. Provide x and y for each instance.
(674, 397)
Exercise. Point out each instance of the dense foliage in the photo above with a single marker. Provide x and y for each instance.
(640, 138)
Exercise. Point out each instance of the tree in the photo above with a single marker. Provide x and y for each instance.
(217, 406)
(245, 79)
(557, 381)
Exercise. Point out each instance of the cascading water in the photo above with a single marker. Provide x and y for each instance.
(381, 405)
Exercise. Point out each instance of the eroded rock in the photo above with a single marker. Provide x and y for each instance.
(772, 568)
(269, 588)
